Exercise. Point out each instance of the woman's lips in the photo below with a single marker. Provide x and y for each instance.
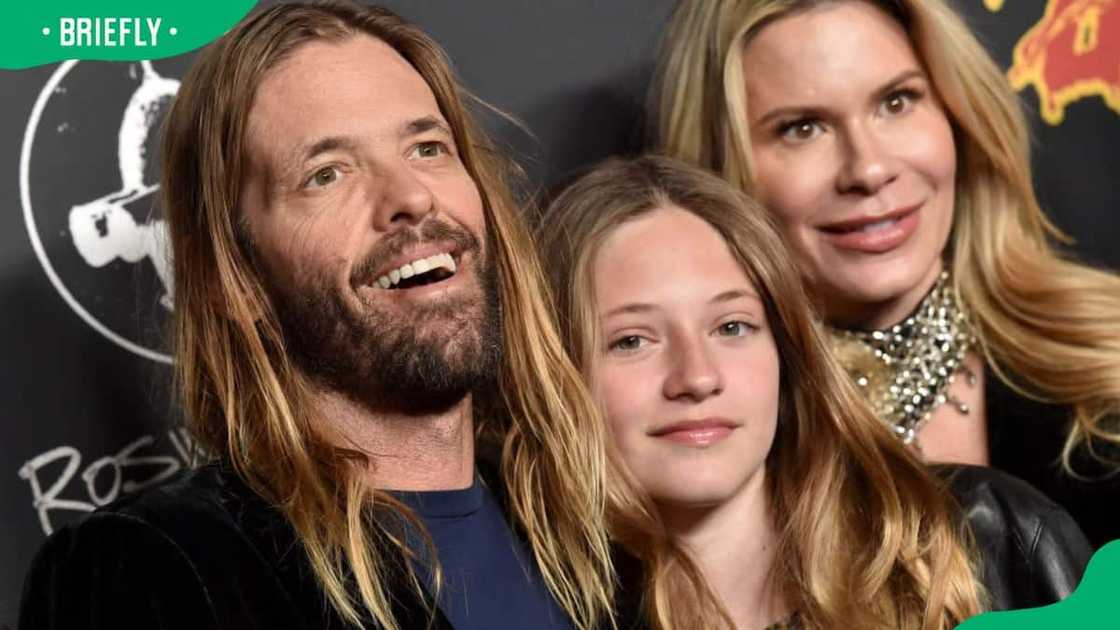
(874, 235)
(696, 432)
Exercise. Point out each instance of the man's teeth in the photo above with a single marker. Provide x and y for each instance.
(417, 267)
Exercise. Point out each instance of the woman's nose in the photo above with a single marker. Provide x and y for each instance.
(868, 162)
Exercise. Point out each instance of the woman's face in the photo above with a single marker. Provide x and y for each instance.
(854, 153)
(688, 371)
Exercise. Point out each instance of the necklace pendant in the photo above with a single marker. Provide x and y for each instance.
(961, 406)
(970, 376)
(905, 370)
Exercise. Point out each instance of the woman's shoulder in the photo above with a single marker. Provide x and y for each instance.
(1026, 438)
(984, 487)
(1031, 551)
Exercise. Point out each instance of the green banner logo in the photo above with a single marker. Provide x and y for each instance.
(36, 33)
(1092, 605)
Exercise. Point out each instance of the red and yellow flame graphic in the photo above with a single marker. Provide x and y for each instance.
(1073, 52)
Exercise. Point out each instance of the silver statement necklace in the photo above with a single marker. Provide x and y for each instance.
(905, 370)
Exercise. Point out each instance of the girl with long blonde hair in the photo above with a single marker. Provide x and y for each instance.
(683, 309)
(896, 158)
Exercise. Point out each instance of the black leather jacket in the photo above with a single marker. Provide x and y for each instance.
(1032, 553)
(1025, 438)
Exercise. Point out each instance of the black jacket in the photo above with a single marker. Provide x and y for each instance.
(1025, 438)
(1031, 551)
(201, 552)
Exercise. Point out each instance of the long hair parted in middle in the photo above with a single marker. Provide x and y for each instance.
(867, 538)
(246, 401)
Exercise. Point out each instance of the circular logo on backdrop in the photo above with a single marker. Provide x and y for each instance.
(89, 174)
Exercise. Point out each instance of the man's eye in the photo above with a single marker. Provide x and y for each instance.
(734, 329)
(430, 149)
(324, 176)
(800, 130)
(629, 343)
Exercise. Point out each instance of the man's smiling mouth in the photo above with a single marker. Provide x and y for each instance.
(419, 272)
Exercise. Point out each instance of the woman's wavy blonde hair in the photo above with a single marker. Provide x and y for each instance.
(246, 402)
(1047, 325)
(867, 539)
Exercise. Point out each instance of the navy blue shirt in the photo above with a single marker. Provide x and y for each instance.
(490, 581)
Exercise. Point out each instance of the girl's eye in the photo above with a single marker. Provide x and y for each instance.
(323, 177)
(800, 130)
(734, 329)
(629, 343)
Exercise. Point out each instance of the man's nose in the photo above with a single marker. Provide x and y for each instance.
(693, 371)
(404, 199)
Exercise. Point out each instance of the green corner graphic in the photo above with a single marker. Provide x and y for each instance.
(36, 33)
(1092, 605)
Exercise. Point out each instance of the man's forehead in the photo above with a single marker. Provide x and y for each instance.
(358, 56)
(359, 87)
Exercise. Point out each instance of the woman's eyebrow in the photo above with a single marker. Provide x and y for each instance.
(789, 111)
(902, 77)
(816, 111)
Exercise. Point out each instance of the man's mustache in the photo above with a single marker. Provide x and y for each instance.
(438, 230)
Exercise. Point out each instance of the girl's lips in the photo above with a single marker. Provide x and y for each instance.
(874, 235)
(698, 437)
(696, 432)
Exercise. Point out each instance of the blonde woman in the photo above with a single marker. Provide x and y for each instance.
(895, 156)
(681, 306)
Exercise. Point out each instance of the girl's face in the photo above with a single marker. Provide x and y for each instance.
(688, 370)
(854, 153)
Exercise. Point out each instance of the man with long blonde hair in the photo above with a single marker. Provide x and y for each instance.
(359, 310)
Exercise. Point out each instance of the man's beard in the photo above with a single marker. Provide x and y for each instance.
(378, 357)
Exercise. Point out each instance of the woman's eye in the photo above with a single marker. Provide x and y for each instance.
(629, 343)
(800, 130)
(900, 101)
(734, 329)
(430, 149)
(324, 176)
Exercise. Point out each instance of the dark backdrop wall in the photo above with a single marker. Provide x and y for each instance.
(85, 413)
